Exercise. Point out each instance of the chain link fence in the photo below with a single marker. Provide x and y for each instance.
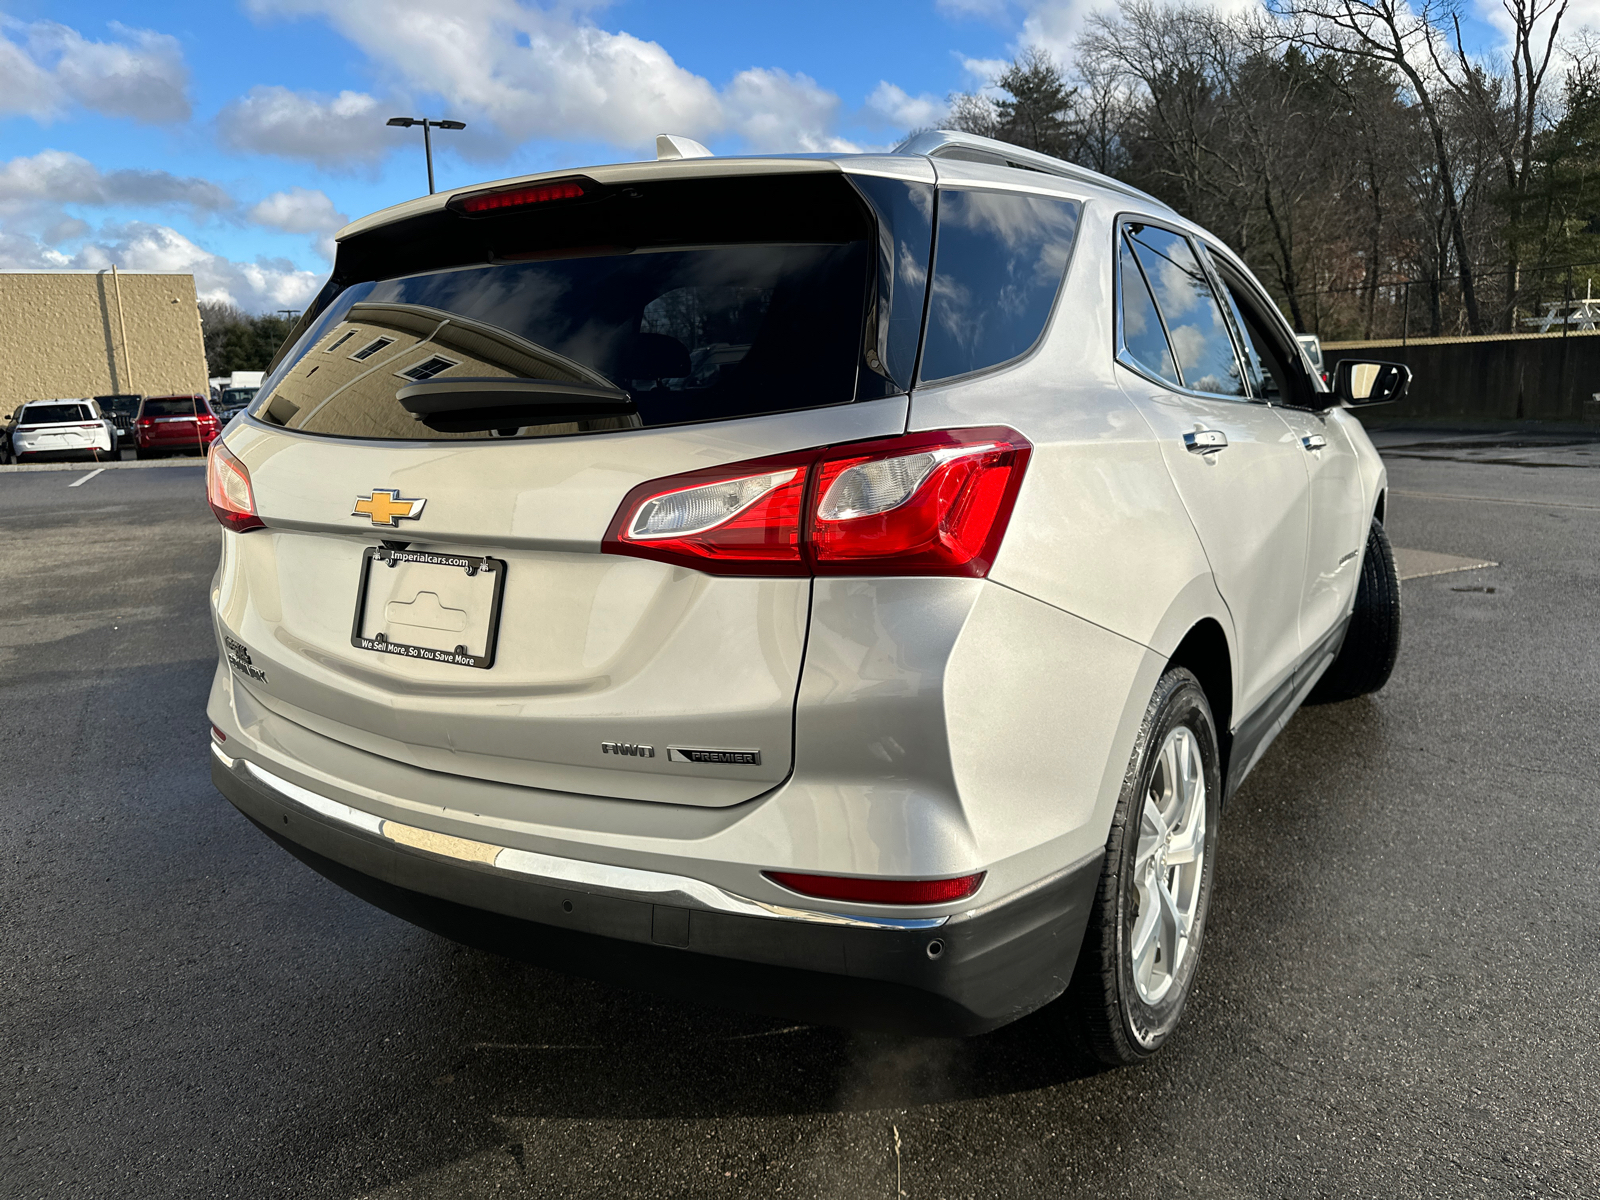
(1523, 300)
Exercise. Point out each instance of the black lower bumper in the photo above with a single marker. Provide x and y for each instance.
(965, 977)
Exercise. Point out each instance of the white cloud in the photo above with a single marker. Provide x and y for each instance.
(49, 68)
(59, 177)
(982, 72)
(992, 10)
(302, 210)
(338, 131)
(1054, 24)
(773, 110)
(259, 286)
(527, 71)
(517, 70)
(891, 105)
(299, 210)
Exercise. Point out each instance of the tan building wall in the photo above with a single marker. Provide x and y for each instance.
(62, 335)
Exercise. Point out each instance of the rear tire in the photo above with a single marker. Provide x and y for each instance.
(1142, 946)
(143, 455)
(1372, 643)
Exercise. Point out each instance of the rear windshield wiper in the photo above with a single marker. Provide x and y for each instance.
(465, 404)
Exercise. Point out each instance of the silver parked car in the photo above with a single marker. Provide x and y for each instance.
(847, 585)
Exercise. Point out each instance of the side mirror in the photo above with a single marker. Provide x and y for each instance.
(1357, 383)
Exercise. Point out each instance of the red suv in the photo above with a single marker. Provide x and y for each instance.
(174, 423)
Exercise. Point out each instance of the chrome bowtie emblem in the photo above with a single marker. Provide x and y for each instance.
(385, 507)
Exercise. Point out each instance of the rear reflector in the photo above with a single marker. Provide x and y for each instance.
(879, 891)
(228, 490)
(537, 193)
(932, 503)
(217, 735)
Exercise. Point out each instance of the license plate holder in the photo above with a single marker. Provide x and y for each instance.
(429, 606)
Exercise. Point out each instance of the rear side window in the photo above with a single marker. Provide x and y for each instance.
(998, 263)
(1196, 328)
(53, 414)
(657, 304)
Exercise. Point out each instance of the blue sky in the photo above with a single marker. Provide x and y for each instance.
(231, 138)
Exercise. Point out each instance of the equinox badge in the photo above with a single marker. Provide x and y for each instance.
(385, 507)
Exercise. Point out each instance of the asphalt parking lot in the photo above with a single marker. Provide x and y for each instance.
(1400, 995)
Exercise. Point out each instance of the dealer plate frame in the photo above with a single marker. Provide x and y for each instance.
(470, 563)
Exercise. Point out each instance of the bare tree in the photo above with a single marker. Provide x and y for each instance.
(1412, 41)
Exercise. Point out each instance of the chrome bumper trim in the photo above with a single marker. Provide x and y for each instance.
(632, 883)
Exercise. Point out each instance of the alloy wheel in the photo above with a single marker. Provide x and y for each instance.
(1169, 865)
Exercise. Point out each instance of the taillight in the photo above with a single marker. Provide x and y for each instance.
(922, 504)
(95, 425)
(879, 891)
(145, 422)
(228, 490)
(742, 519)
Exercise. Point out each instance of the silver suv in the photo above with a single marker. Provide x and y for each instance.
(847, 585)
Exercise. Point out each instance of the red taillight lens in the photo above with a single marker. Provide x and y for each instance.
(903, 508)
(923, 504)
(879, 891)
(228, 490)
(537, 193)
(743, 519)
(145, 422)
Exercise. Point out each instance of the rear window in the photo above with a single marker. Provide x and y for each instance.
(654, 305)
(997, 266)
(53, 414)
(175, 406)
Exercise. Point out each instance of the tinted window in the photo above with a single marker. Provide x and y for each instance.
(688, 301)
(1142, 334)
(905, 239)
(997, 266)
(51, 414)
(121, 405)
(689, 335)
(170, 406)
(1196, 328)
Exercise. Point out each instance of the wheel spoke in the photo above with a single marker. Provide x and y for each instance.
(1143, 942)
(1173, 918)
(1155, 830)
(1185, 847)
(1172, 790)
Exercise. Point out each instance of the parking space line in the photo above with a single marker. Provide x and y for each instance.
(85, 479)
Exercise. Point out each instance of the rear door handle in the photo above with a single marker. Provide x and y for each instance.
(1205, 441)
(1314, 441)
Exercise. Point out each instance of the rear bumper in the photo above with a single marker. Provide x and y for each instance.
(958, 976)
(75, 454)
(189, 442)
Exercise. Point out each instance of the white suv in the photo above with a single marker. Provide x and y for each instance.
(847, 585)
(61, 429)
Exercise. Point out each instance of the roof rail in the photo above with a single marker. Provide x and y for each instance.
(970, 147)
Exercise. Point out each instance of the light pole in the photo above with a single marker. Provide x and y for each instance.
(427, 140)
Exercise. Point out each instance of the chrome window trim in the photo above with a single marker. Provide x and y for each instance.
(630, 883)
(1123, 356)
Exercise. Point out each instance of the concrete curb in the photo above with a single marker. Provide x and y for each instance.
(10, 468)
